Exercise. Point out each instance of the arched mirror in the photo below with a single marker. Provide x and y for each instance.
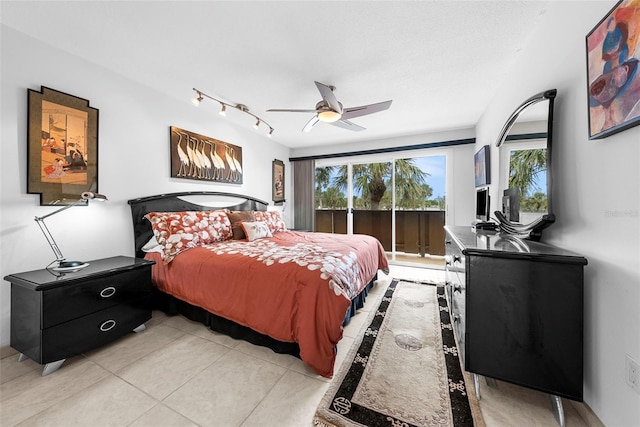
(525, 168)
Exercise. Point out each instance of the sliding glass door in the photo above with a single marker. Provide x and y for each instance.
(399, 201)
(419, 211)
(372, 202)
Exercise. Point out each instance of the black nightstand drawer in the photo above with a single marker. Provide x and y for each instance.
(89, 332)
(69, 302)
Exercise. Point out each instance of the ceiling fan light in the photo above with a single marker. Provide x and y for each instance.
(329, 116)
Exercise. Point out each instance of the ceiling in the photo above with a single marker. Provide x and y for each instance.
(439, 61)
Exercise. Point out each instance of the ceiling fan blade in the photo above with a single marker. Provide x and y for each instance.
(346, 124)
(363, 110)
(310, 124)
(329, 97)
(281, 110)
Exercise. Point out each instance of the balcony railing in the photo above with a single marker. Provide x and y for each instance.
(417, 232)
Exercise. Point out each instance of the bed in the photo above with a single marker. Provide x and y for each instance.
(243, 273)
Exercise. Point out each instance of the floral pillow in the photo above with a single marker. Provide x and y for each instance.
(256, 230)
(272, 218)
(178, 231)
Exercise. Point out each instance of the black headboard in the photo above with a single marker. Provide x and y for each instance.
(176, 202)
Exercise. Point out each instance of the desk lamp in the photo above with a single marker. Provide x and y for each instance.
(64, 265)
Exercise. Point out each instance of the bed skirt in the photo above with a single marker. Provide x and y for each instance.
(173, 306)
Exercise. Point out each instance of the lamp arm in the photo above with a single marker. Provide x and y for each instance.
(77, 202)
(49, 237)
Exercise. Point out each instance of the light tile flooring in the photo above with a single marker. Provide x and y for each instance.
(178, 373)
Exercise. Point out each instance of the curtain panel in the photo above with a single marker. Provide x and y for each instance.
(304, 200)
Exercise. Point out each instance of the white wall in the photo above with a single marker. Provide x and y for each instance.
(596, 197)
(133, 158)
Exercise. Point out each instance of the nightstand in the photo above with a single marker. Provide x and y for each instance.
(57, 315)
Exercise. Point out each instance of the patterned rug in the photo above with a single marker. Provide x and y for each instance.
(404, 369)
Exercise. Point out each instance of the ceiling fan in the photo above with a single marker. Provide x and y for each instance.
(329, 110)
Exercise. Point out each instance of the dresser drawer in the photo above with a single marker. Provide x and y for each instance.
(91, 331)
(65, 303)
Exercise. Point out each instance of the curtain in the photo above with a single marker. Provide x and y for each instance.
(303, 188)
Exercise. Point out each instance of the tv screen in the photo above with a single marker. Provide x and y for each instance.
(482, 204)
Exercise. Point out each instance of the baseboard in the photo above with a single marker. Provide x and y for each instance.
(586, 413)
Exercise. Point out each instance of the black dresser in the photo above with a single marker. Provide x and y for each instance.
(517, 308)
(58, 315)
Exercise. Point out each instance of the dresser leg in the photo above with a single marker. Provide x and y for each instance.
(50, 368)
(558, 411)
(476, 384)
(22, 357)
(140, 328)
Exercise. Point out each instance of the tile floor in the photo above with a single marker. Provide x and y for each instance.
(178, 373)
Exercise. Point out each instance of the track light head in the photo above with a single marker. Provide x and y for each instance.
(257, 125)
(270, 132)
(223, 110)
(196, 101)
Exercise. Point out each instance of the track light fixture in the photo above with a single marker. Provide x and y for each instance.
(223, 108)
(196, 101)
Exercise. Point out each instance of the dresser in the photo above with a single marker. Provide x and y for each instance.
(517, 310)
(57, 315)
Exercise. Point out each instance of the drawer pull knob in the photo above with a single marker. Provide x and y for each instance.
(108, 292)
(107, 325)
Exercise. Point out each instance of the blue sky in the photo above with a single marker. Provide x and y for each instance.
(436, 167)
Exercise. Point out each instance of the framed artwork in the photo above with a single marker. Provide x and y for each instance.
(199, 157)
(613, 52)
(277, 180)
(482, 167)
(62, 155)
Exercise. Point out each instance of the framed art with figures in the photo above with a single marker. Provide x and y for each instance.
(203, 158)
(277, 181)
(613, 78)
(62, 154)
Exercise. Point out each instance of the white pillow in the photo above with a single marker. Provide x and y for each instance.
(152, 245)
(256, 230)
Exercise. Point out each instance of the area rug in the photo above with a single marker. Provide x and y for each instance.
(403, 370)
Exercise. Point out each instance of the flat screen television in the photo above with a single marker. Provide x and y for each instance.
(483, 205)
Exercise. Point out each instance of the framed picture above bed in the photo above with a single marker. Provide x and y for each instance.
(62, 155)
(199, 157)
(277, 181)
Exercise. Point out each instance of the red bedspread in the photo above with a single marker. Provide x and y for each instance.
(294, 286)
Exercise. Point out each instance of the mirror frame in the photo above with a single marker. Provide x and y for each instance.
(533, 230)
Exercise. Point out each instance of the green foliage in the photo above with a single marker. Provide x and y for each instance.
(524, 166)
(373, 182)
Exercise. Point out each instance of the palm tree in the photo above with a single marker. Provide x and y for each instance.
(323, 179)
(524, 166)
(372, 180)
